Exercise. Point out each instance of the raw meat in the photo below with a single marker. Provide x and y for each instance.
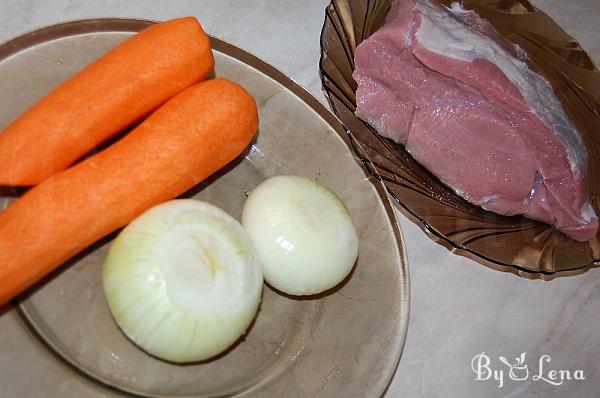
(465, 104)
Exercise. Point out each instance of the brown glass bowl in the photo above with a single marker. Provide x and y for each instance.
(516, 244)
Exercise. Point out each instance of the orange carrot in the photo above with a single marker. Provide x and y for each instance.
(102, 99)
(190, 137)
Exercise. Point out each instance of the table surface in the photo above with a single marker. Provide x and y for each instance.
(459, 308)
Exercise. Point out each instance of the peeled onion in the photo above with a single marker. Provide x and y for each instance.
(183, 281)
(304, 236)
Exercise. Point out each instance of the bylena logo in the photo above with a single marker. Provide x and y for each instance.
(483, 368)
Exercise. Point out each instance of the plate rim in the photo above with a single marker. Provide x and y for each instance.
(131, 25)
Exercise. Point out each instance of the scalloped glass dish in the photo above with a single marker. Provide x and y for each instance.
(344, 343)
(514, 244)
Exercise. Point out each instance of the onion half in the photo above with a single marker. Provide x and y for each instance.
(183, 281)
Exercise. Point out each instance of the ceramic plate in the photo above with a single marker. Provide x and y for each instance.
(515, 244)
(345, 343)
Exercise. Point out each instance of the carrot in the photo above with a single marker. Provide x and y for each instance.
(103, 98)
(190, 137)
